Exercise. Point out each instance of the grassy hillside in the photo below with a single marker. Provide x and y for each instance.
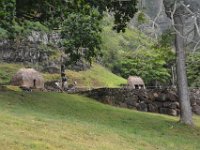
(52, 121)
(7, 71)
(97, 76)
(115, 45)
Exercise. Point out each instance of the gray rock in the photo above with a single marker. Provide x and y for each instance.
(177, 104)
(152, 108)
(142, 107)
(196, 109)
(172, 96)
(161, 97)
(172, 112)
(163, 110)
(52, 67)
(170, 105)
(158, 104)
(168, 111)
(131, 101)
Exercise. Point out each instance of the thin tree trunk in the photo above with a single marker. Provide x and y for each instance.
(173, 76)
(186, 112)
(62, 74)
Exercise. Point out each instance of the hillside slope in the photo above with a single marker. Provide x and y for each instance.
(97, 76)
(52, 121)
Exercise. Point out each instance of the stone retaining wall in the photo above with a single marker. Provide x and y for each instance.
(158, 101)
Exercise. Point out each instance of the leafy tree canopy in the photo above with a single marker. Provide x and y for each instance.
(54, 12)
(81, 35)
(79, 20)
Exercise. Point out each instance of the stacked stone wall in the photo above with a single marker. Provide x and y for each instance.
(159, 101)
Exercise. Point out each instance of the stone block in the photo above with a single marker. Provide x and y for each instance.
(152, 108)
(171, 96)
(196, 109)
(163, 110)
(172, 112)
(142, 107)
(161, 97)
(172, 105)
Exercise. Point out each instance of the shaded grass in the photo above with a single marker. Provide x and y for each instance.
(61, 121)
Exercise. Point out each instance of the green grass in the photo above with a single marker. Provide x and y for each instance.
(39, 121)
(127, 41)
(97, 76)
(116, 45)
(7, 71)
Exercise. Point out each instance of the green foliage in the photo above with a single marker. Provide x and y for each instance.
(3, 33)
(133, 53)
(148, 64)
(7, 14)
(35, 26)
(19, 17)
(48, 12)
(167, 39)
(53, 13)
(7, 17)
(193, 69)
(141, 18)
(81, 35)
(164, 47)
(114, 44)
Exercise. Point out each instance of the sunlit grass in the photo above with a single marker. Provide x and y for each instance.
(59, 121)
(7, 71)
(97, 76)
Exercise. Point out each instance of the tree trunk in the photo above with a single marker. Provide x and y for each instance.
(186, 112)
(173, 76)
(62, 74)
